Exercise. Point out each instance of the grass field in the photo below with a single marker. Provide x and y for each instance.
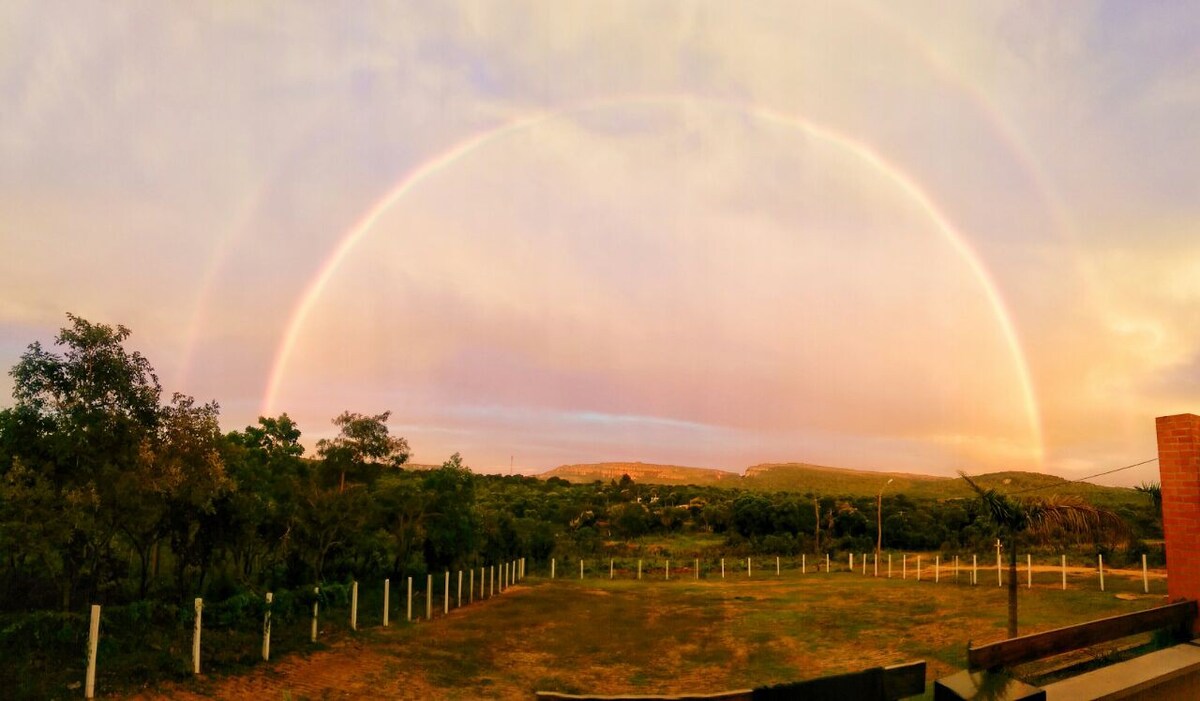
(655, 636)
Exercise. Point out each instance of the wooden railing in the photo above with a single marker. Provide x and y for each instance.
(1006, 653)
(875, 684)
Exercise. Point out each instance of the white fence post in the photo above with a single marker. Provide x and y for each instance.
(776, 565)
(491, 581)
(851, 563)
(974, 570)
(266, 646)
(903, 566)
(387, 593)
(956, 569)
(581, 568)
(471, 587)
(668, 569)
(1029, 568)
(749, 567)
(918, 568)
(446, 596)
(354, 605)
(93, 642)
(610, 569)
(722, 568)
(999, 577)
(876, 562)
(698, 567)
(196, 637)
(937, 569)
(552, 568)
(804, 563)
(1145, 579)
(889, 565)
(1101, 560)
(410, 599)
(827, 563)
(316, 604)
(864, 564)
(1064, 572)
(639, 569)
(459, 605)
(429, 597)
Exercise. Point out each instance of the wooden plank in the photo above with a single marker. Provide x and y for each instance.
(1054, 642)
(903, 680)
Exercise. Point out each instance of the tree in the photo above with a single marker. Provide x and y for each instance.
(1019, 519)
(87, 417)
(362, 447)
(450, 521)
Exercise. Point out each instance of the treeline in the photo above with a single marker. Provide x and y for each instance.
(109, 494)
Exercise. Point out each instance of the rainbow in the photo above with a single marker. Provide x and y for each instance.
(861, 151)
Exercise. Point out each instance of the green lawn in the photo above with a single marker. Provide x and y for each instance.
(655, 636)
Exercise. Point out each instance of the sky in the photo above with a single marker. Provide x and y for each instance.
(915, 236)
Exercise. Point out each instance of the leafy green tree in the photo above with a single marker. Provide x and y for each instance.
(1019, 520)
(362, 447)
(88, 416)
(450, 521)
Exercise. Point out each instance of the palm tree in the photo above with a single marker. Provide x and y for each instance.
(1041, 518)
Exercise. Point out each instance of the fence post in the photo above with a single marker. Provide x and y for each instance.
(974, 570)
(471, 587)
(864, 563)
(1029, 568)
(387, 592)
(266, 646)
(749, 567)
(826, 563)
(446, 596)
(1145, 579)
(410, 599)
(93, 641)
(316, 604)
(889, 565)
(698, 566)
(1064, 572)
(639, 569)
(851, 563)
(581, 568)
(804, 563)
(937, 568)
(918, 568)
(610, 568)
(903, 566)
(551, 568)
(999, 577)
(491, 581)
(354, 605)
(956, 569)
(722, 568)
(776, 565)
(1101, 560)
(196, 637)
(429, 597)
(459, 605)
(876, 561)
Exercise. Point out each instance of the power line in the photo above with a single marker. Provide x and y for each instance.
(1081, 479)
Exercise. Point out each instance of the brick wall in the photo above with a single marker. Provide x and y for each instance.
(1179, 468)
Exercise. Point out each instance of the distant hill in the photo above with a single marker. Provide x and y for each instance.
(643, 472)
(837, 481)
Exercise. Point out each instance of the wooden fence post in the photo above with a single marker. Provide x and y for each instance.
(93, 642)
(1101, 560)
(266, 646)
(196, 637)
(354, 605)
(698, 567)
(410, 599)
(316, 604)
(387, 593)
